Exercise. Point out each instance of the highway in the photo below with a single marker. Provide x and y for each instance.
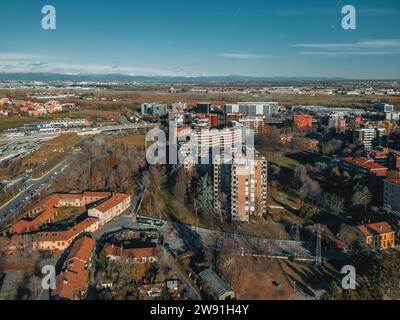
(31, 186)
(90, 131)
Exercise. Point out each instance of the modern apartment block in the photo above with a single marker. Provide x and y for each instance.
(302, 121)
(154, 109)
(248, 189)
(383, 107)
(266, 109)
(391, 194)
(211, 143)
(221, 178)
(255, 123)
(245, 183)
(369, 137)
(336, 122)
(203, 107)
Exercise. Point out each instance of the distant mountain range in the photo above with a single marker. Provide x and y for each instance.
(49, 77)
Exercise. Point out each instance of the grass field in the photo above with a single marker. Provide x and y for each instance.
(132, 139)
(15, 122)
(50, 154)
(138, 97)
(280, 159)
(89, 114)
(68, 212)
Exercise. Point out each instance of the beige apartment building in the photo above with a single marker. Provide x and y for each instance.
(245, 183)
(249, 189)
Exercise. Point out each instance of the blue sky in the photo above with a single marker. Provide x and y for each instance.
(207, 37)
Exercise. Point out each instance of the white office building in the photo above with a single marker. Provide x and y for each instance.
(266, 109)
(369, 137)
(154, 109)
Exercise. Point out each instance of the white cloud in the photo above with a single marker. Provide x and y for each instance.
(378, 12)
(21, 62)
(14, 56)
(362, 48)
(242, 56)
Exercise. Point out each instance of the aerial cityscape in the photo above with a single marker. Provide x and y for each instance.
(194, 161)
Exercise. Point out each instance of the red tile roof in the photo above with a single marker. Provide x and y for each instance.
(395, 181)
(67, 234)
(96, 194)
(137, 253)
(73, 282)
(82, 249)
(48, 208)
(364, 162)
(112, 202)
(375, 228)
(70, 196)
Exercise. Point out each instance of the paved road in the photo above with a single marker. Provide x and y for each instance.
(31, 186)
(257, 245)
(4, 139)
(191, 288)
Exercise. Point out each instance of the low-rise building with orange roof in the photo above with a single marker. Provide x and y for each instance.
(47, 210)
(72, 282)
(57, 241)
(380, 235)
(111, 208)
(135, 255)
(41, 214)
(363, 167)
(89, 197)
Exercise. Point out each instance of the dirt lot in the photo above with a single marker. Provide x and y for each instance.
(258, 281)
(133, 139)
(135, 98)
